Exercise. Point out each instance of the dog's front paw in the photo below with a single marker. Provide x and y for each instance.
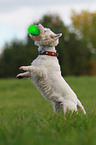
(19, 76)
(23, 68)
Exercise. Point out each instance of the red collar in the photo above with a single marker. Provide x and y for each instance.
(48, 53)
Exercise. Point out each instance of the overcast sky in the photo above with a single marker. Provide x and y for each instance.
(17, 15)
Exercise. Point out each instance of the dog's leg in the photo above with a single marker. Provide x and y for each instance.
(64, 109)
(34, 69)
(24, 75)
(56, 106)
(80, 106)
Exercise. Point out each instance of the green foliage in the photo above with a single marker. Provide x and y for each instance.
(74, 55)
(78, 56)
(26, 118)
(85, 23)
(14, 56)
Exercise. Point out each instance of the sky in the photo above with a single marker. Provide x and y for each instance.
(17, 15)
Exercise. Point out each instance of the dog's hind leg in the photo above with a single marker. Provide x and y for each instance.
(56, 106)
(24, 75)
(81, 107)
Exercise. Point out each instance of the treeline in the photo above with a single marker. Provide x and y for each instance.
(74, 54)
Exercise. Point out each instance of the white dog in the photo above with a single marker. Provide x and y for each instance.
(46, 75)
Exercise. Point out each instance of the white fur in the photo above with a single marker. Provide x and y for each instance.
(46, 74)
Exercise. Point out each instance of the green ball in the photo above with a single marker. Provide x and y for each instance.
(33, 30)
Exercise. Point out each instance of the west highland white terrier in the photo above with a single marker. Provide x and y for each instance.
(45, 73)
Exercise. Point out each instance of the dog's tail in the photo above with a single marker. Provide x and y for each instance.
(80, 106)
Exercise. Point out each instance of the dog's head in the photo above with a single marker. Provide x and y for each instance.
(46, 37)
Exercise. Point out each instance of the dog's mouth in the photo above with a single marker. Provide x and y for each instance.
(34, 32)
(35, 37)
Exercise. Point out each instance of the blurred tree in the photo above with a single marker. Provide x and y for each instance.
(85, 25)
(74, 55)
(11, 59)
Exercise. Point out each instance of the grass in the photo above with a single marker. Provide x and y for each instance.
(26, 118)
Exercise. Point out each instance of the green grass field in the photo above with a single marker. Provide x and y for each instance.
(26, 118)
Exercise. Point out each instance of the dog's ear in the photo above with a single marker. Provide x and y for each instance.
(56, 36)
(41, 28)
